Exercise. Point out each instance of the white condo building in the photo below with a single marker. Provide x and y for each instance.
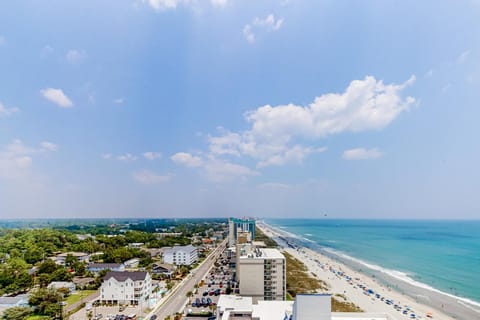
(261, 273)
(126, 287)
(180, 255)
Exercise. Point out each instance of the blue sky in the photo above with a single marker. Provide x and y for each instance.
(196, 108)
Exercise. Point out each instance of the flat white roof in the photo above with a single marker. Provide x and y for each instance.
(268, 253)
(272, 310)
(237, 303)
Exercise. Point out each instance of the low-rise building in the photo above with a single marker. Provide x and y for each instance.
(163, 268)
(132, 263)
(62, 285)
(180, 255)
(126, 287)
(97, 267)
(79, 256)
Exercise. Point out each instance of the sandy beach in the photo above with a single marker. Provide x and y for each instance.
(355, 285)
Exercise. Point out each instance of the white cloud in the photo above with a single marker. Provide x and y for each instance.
(258, 25)
(163, 4)
(186, 159)
(219, 3)
(275, 130)
(107, 156)
(361, 154)
(463, 57)
(223, 171)
(48, 146)
(150, 177)
(3, 41)
(75, 56)
(57, 96)
(216, 170)
(128, 157)
(152, 155)
(5, 112)
(119, 100)
(296, 154)
(16, 159)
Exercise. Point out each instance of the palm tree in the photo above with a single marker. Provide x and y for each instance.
(189, 294)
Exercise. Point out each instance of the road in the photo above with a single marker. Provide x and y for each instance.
(177, 300)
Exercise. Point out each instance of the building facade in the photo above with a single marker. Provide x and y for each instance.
(133, 288)
(180, 255)
(261, 273)
(235, 225)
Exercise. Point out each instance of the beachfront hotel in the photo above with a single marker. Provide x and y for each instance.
(305, 307)
(236, 225)
(261, 272)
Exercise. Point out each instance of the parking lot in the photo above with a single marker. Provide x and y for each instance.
(219, 280)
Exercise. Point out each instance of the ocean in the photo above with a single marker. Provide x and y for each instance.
(442, 256)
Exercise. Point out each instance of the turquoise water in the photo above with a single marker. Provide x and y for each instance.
(444, 255)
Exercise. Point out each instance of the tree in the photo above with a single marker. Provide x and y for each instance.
(46, 302)
(189, 294)
(17, 313)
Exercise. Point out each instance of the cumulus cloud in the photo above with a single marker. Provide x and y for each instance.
(216, 170)
(128, 157)
(107, 156)
(5, 112)
(48, 146)
(273, 137)
(258, 25)
(152, 155)
(74, 56)
(57, 96)
(219, 3)
(16, 158)
(186, 159)
(163, 5)
(361, 154)
(224, 171)
(150, 177)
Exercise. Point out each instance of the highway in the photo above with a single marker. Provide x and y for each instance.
(177, 299)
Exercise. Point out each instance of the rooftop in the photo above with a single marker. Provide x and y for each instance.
(124, 275)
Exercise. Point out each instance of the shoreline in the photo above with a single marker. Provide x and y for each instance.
(333, 269)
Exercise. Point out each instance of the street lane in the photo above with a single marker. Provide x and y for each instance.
(177, 300)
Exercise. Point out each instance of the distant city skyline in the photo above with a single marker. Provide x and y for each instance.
(222, 108)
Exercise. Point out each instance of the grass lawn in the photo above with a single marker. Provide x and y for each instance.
(38, 318)
(77, 296)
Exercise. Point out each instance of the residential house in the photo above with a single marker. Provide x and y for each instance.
(180, 255)
(97, 267)
(132, 263)
(164, 268)
(62, 257)
(126, 287)
(62, 284)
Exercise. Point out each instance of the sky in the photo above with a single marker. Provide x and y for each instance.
(215, 108)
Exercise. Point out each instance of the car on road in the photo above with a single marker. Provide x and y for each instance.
(153, 317)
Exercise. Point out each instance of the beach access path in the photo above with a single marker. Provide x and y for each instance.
(327, 269)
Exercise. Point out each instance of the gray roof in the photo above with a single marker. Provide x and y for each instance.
(124, 275)
(104, 265)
